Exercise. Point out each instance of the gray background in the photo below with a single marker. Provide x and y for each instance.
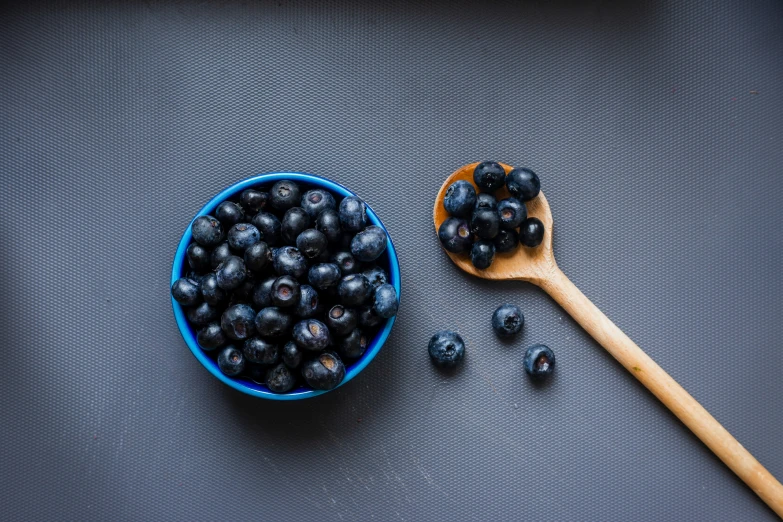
(657, 129)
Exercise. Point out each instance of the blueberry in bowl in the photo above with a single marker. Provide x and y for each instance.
(260, 268)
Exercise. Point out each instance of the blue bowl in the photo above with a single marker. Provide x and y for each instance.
(389, 259)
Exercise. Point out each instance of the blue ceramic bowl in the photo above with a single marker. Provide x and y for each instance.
(388, 261)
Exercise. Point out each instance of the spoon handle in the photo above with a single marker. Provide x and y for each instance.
(660, 383)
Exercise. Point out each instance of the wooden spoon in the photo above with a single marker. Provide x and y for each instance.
(537, 265)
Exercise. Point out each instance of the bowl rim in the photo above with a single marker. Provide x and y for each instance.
(179, 261)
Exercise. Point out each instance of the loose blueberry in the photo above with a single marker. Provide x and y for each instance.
(284, 195)
(262, 293)
(280, 379)
(385, 301)
(311, 335)
(460, 199)
(237, 322)
(354, 289)
(341, 320)
(353, 345)
(324, 372)
(446, 349)
(292, 355)
(346, 263)
(231, 361)
(258, 256)
(507, 320)
(523, 184)
(220, 254)
(198, 258)
(273, 322)
(328, 223)
(489, 175)
(229, 214)
(294, 222)
(231, 273)
(353, 214)
(202, 314)
(260, 351)
(324, 275)
(512, 213)
(289, 260)
(207, 231)
(376, 275)
(242, 235)
(308, 304)
(369, 244)
(268, 227)
(253, 200)
(531, 233)
(485, 223)
(316, 201)
(211, 337)
(311, 243)
(506, 241)
(186, 291)
(285, 292)
(454, 234)
(211, 291)
(482, 253)
(484, 200)
(539, 361)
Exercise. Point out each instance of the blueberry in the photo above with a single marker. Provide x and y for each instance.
(256, 372)
(262, 293)
(258, 256)
(312, 335)
(229, 214)
(207, 231)
(506, 240)
(324, 372)
(198, 258)
(211, 337)
(369, 244)
(454, 234)
(328, 223)
(231, 361)
(446, 349)
(311, 243)
(523, 184)
(324, 275)
(353, 345)
(512, 213)
(482, 253)
(485, 223)
(220, 254)
(294, 222)
(507, 320)
(211, 292)
(316, 201)
(460, 199)
(353, 214)
(539, 361)
(280, 379)
(242, 235)
(308, 304)
(186, 291)
(346, 263)
(484, 200)
(237, 322)
(268, 227)
(231, 273)
(272, 322)
(202, 314)
(285, 292)
(284, 195)
(291, 355)
(489, 175)
(354, 289)
(368, 319)
(253, 200)
(289, 261)
(385, 301)
(341, 320)
(260, 351)
(531, 233)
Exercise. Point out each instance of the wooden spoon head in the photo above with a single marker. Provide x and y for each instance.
(524, 264)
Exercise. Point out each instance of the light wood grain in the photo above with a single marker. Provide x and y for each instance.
(538, 266)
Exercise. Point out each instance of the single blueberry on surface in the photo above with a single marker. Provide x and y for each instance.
(484, 200)
(284, 195)
(231, 361)
(368, 319)
(345, 262)
(220, 254)
(231, 273)
(285, 292)
(308, 304)
(376, 275)
(385, 301)
(242, 235)
(316, 201)
(207, 231)
(523, 184)
(353, 345)
(446, 349)
(238, 322)
(294, 222)
(369, 244)
(354, 289)
(460, 199)
(253, 200)
(291, 355)
(512, 213)
(289, 260)
(311, 243)
(211, 291)
(455, 236)
(341, 320)
(260, 351)
(324, 275)
(273, 322)
(258, 256)
(198, 258)
(482, 254)
(311, 335)
(506, 240)
(202, 314)
(268, 227)
(507, 320)
(262, 293)
(489, 175)
(531, 232)
(280, 379)
(324, 372)
(353, 214)
(186, 291)
(539, 361)
(485, 223)
(211, 337)
(229, 214)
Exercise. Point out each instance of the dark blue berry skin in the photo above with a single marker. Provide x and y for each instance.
(258, 256)
(231, 273)
(345, 241)
(346, 262)
(311, 243)
(368, 319)
(512, 213)
(291, 355)
(202, 314)
(523, 184)
(506, 241)
(268, 226)
(280, 379)
(531, 232)
(198, 258)
(446, 349)
(385, 301)
(309, 304)
(341, 320)
(353, 345)
(489, 175)
(324, 275)
(324, 372)
(539, 362)
(237, 322)
(484, 200)
(482, 253)
(253, 200)
(353, 214)
(284, 195)
(369, 244)
(454, 234)
(460, 199)
(316, 201)
(207, 231)
(186, 291)
(229, 214)
(311, 335)
(354, 290)
(285, 292)
(507, 320)
(260, 351)
(211, 292)
(273, 322)
(220, 254)
(289, 260)
(262, 293)
(328, 223)
(485, 223)
(242, 235)
(211, 337)
(377, 276)
(294, 222)
(231, 361)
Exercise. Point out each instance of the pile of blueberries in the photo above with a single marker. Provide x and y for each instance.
(481, 225)
(284, 286)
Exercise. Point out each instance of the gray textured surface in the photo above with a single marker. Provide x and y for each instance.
(663, 169)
